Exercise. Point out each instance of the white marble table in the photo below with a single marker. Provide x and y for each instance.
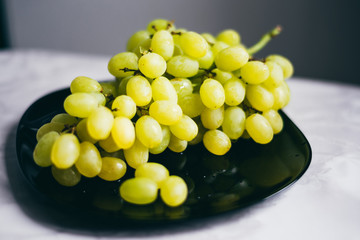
(323, 204)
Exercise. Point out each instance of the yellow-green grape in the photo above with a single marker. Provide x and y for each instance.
(176, 35)
(165, 112)
(162, 43)
(152, 65)
(85, 84)
(100, 98)
(100, 122)
(193, 44)
(174, 191)
(67, 177)
(281, 96)
(137, 154)
(229, 36)
(123, 64)
(255, 72)
(212, 118)
(122, 85)
(148, 131)
(183, 86)
(216, 142)
(162, 89)
(109, 144)
(82, 132)
(234, 122)
(142, 48)
(123, 132)
(43, 148)
(201, 132)
(177, 50)
(80, 104)
(65, 151)
(139, 190)
(176, 144)
(185, 128)
(124, 106)
(259, 128)
(49, 127)
(259, 97)
(231, 58)
(64, 118)
(160, 24)
(109, 88)
(139, 89)
(209, 38)
(212, 94)
(276, 76)
(191, 104)
(223, 76)
(206, 61)
(164, 142)
(234, 92)
(136, 39)
(154, 171)
(182, 66)
(89, 162)
(274, 119)
(218, 46)
(284, 63)
(112, 168)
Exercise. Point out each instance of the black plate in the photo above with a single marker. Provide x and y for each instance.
(249, 172)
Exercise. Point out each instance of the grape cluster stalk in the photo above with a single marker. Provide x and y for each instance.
(172, 88)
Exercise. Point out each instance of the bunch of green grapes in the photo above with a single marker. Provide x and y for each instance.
(172, 88)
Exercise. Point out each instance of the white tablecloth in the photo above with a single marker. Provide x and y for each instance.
(323, 204)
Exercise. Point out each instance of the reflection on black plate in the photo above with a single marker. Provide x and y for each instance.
(248, 173)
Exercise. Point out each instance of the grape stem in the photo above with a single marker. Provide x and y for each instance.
(264, 40)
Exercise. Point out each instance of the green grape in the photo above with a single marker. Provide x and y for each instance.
(154, 171)
(234, 92)
(176, 35)
(160, 24)
(43, 148)
(68, 177)
(216, 142)
(259, 97)
(148, 131)
(206, 61)
(182, 66)
(164, 142)
(276, 76)
(100, 98)
(193, 44)
(212, 94)
(136, 39)
(100, 122)
(218, 46)
(229, 36)
(255, 72)
(183, 86)
(139, 190)
(209, 38)
(234, 122)
(176, 144)
(223, 76)
(109, 88)
(123, 64)
(123, 132)
(281, 96)
(201, 132)
(85, 84)
(162, 89)
(80, 104)
(174, 191)
(284, 63)
(259, 128)
(152, 65)
(212, 118)
(274, 119)
(49, 127)
(123, 84)
(177, 50)
(142, 48)
(231, 58)
(89, 162)
(162, 43)
(112, 168)
(65, 119)
(82, 132)
(191, 104)
(109, 144)
(139, 89)
(65, 151)
(137, 154)
(124, 106)
(185, 128)
(165, 112)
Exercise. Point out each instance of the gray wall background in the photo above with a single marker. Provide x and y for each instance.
(320, 37)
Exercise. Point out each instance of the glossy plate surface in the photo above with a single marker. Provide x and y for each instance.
(248, 173)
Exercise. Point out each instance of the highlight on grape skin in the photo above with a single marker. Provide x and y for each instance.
(172, 89)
